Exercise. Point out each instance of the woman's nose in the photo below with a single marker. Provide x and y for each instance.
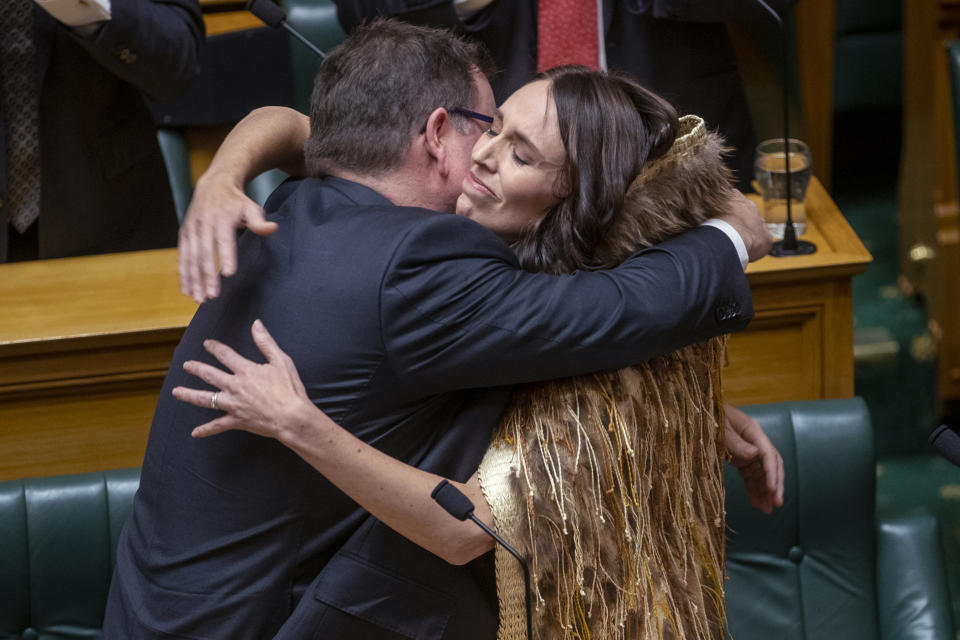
(483, 152)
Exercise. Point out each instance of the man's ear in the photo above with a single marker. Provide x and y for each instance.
(437, 138)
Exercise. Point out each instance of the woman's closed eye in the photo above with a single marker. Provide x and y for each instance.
(520, 162)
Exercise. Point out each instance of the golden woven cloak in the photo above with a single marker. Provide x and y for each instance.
(611, 485)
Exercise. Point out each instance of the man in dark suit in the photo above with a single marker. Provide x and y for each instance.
(102, 182)
(395, 316)
(678, 48)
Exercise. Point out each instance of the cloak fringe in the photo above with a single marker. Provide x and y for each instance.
(611, 485)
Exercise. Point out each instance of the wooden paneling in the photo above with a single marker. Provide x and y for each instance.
(780, 354)
(929, 249)
(798, 347)
(815, 53)
(86, 342)
(84, 346)
(947, 327)
(74, 430)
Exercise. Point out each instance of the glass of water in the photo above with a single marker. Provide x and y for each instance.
(771, 173)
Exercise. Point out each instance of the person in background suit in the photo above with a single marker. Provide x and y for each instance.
(677, 48)
(401, 319)
(81, 170)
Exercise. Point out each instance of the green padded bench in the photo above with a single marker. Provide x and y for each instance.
(58, 540)
(823, 567)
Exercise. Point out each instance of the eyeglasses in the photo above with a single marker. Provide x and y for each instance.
(466, 113)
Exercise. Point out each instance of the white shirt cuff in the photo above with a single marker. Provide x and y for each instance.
(466, 9)
(75, 13)
(734, 236)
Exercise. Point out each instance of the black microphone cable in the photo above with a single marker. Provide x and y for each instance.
(274, 16)
(459, 506)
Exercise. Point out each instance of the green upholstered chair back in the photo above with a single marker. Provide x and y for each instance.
(58, 540)
(260, 188)
(176, 158)
(868, 55)
(823, 566)
(317, 20)
(807, 571)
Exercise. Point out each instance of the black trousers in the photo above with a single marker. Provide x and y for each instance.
(23, 246)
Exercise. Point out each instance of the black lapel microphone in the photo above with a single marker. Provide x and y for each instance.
(947, 443)
(274, 16)
(459, 506)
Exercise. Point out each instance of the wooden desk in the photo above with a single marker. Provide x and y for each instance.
(800, 343)
(220, 22)
(85, 344)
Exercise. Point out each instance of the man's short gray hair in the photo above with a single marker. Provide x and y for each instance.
(376, 90)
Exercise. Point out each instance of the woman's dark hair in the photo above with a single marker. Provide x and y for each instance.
(610, 127)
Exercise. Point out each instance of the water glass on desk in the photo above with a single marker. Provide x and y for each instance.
(771, 173)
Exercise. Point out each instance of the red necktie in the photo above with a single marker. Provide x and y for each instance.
(567, 33)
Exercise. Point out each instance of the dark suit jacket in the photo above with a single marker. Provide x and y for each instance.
(678, 48)
(393, 315)
(103, 181)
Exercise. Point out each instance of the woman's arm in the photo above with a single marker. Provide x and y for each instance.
(269, 400)
(268, 138)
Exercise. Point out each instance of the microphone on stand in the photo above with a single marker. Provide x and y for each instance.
(274, 16)
(789, 246)
(459, 506)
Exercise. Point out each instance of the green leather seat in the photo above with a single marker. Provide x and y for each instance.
(58, 540)
(317, 20)
(822, 567)
(825, 566)
(176, 158)
(868, 55)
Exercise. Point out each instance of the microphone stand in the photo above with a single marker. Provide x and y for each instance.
(274, 16)
(459, 506)
(789, 246)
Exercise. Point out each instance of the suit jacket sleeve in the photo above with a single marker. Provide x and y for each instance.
(152, 44)
(457, 312)
(704, 10)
